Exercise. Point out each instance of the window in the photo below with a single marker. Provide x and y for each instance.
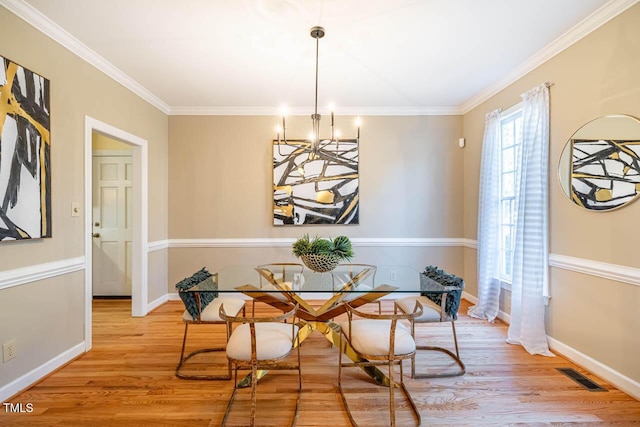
(510, 141)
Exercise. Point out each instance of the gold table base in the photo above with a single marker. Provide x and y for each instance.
(319, 319)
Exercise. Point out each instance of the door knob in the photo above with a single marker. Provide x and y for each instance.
(96, 235)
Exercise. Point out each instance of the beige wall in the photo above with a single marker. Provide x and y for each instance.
(103, 142)
(415, 182)
(597, 76)
(46, 317)
(221, 186)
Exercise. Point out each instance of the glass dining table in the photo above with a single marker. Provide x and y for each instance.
(320, 296)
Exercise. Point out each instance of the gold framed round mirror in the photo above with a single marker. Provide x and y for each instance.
(599, 168)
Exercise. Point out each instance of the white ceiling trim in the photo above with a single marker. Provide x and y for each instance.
(273, 111)
(33, 17)
(588, 25)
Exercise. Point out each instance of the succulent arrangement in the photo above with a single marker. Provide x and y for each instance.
(332, 251)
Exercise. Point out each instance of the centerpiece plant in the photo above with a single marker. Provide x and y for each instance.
(323, 254)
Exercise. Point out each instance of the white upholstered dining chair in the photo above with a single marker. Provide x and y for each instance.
(379, 340)
(263, 343)
(201, 308)
(440, 297)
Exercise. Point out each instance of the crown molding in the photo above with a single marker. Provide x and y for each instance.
(348, 111)
(224, 111)
(43, 24)
(39, 21)
(583, 28)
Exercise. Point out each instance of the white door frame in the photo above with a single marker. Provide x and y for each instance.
(140, 244)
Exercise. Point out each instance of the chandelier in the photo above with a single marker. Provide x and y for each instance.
(315, 143)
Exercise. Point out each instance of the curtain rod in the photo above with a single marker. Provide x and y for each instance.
(547, 84)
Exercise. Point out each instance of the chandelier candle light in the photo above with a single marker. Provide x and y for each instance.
(314, 137)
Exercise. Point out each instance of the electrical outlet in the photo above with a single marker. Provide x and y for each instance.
(8, 350)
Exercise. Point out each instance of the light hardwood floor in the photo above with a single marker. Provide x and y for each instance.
(128, 379)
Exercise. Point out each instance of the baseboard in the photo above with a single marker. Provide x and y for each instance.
(467, 296)
(612, 376)
(620, 381)
(505, 317)
(157, 303)
(30, 378)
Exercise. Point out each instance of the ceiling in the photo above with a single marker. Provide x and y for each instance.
(378, 57)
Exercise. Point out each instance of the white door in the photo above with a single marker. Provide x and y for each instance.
(112, 225)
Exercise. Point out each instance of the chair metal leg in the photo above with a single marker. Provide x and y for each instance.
(455, 357)
(231, 398)
(184, 343)
(254, 377)
(455, 338)
(342, 395)
(254, 397)
(407, 395)
(392, 386)
(392, 395)
(184, 359)
(295, 417)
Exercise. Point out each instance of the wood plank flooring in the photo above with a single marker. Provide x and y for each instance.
(128, 379)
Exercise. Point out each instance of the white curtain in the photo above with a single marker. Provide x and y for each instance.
(531, 252)
(488, 216)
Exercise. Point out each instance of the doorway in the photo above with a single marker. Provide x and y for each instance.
(112, 217)
(139, 224)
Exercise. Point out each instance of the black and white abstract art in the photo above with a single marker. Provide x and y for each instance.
(25, 152)
(315, 186)
(605, 173)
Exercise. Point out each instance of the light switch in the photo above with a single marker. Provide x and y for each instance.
(75, 209)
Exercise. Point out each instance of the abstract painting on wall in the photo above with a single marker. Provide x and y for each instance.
(315, 186)
(25, 153)
(605, 173)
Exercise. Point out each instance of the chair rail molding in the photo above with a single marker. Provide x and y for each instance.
(21, 276)
(158, 245)
(619, 273)
(285, 242)
(616, 272)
